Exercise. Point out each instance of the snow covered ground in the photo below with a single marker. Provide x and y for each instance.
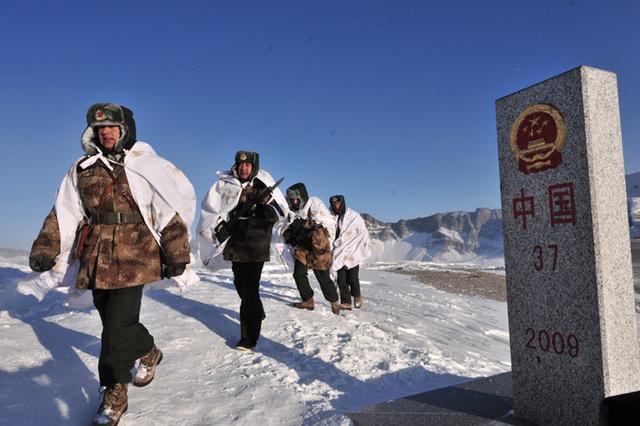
(310, 367)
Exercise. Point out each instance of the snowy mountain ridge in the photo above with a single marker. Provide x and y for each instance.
(461, 236)
(452, 237)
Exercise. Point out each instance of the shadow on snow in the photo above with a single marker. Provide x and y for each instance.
(62, 390)
(355, 393)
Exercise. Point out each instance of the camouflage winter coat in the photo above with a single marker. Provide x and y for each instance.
(312, 243)
(119, 255)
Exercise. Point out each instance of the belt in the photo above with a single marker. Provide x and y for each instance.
(115, 218)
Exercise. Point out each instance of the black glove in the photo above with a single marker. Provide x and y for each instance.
(222, 232)
(245, 209)
(287, 235)
(173, 270)
(41, 263)
(296, 234)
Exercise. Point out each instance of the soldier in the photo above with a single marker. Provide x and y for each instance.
(350, 248)
(310, 234)
(236, 221)
(124, 212)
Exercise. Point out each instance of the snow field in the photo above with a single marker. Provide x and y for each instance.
(310, 367)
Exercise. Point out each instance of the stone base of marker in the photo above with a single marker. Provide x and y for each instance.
(572, 321)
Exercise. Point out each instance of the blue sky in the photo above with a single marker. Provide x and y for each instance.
(390, 103)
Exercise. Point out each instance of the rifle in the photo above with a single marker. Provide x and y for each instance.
(224, 229)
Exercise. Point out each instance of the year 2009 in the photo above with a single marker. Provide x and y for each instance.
(547, 341)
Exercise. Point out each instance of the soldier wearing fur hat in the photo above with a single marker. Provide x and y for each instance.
(122, 214)
(236, 223)
(310, 235)
(350, 249)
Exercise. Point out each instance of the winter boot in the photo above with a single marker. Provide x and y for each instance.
(358, 302)
(345, 306)
(245, 345)
(335, 308)
(114, 405)
(305, 304)
(147, 367)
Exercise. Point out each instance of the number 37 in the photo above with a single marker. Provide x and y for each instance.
(540, 255)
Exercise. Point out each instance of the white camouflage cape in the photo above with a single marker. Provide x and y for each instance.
(313, 209)
(351, 248)
(159, 189)
(221, 199)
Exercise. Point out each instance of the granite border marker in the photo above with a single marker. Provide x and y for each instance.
(570, 294)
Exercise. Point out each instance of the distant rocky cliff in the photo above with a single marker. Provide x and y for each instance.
(442, 236)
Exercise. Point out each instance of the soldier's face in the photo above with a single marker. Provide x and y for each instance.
(109, 136)
(336, 206)
(244, 170)
(294, 203)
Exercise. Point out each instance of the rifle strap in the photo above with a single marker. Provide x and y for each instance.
(123, 191)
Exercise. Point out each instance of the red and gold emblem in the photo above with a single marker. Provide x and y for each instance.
(537, 138)
(100, 115)
(243, 157)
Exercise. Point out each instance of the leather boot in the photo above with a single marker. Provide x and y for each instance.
(358, 302)
(147, 367)
(114, 405)
(305, 304)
